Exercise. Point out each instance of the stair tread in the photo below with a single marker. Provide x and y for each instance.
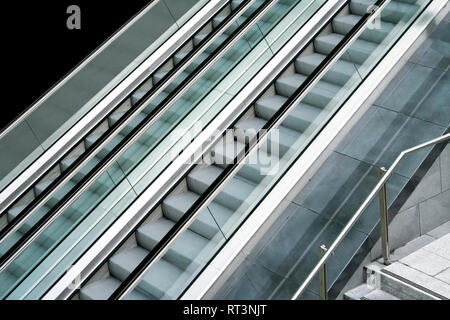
(67, 162)
(343, 24)
(378, 294)
(183, 252)
(180, 56)
(256, 166)
(137, 96)
(102, 290)
(257, 123)
(358, 293)
(298, 119)
(14, 211)
(342, 66)
(41, 186)
(236, 3)
(233, 195)
(175, 207)
(289, 84)
(335, 38)
(158, 280)
(348, 18)
(360, 7)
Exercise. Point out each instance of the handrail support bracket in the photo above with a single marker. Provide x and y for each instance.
(323, 292)
(384, 220)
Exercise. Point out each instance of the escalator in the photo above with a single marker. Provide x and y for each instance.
(46, 195)
(50, 182)
(179, 237)
(410, 110)
(33, 232)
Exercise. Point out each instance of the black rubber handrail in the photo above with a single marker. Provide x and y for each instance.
(161, 246)
(7, 258)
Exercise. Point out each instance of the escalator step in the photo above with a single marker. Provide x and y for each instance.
(158, 281)
(102, 290)
(232, 196)
(206, 223)
(183, 252)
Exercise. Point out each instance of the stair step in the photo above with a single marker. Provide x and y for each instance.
(157, 77)
(364, 292)
(393, 12)
(30, 222)
(379, 295)
(217, 20)
(183, 252)
(199, 38)
(207, 222)
(180, 56)
(10, 241)
(41, 186)
(91, 139)
(198, 61)
(31, 255)
(410, 284)
(239, 48)
(235, 4)
(299, 119)
(358, 293)
(52, 232)
(254, 168)
(158, 280)
(66, 163)
(112, 144)
(322, 93)
(343, 24)
(358, 52)
(137, 96)
(131, 125)
(232, 196)
(61, 193)
(156, 101)
(339, 74)
(56, 231)
(104, 288)
(85, 169)
(15, 211)
(279, 142)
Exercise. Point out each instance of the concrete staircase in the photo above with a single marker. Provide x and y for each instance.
(423, 274)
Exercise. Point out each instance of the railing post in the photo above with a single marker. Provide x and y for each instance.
(384, 218)
(323, 292)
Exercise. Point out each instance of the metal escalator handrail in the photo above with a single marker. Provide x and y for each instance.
(361, 210)
(100, 168)
(191, 214)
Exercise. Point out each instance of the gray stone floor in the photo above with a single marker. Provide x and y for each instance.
(428, 267)
(414, 109)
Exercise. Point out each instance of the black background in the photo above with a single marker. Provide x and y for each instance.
(38, 49)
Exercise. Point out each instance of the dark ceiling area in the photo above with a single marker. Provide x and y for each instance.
(39, 49)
